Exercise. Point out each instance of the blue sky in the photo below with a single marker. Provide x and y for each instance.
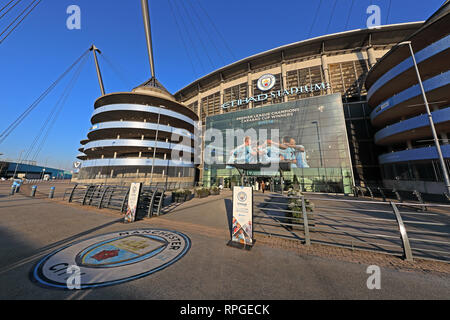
(42, 47)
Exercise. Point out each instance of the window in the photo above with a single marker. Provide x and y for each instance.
(210, 106)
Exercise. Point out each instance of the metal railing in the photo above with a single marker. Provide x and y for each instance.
(389, 227)
(151, 200)
(396, 194)
(171, 185)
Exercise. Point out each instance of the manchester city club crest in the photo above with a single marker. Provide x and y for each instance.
(266, 82)
(113, 258)
(77, 165)
(242, 196)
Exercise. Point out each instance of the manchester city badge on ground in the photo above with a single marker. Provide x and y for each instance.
(112, 258)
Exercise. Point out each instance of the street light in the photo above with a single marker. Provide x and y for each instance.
(430, 118)
(156, 144)
(17, 164)
(318, 137)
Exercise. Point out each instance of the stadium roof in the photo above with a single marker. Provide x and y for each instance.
(342, 41)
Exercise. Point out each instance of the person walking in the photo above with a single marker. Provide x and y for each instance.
(263, 186)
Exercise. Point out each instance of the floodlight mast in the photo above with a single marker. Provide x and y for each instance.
(148, 34)
(94, 50)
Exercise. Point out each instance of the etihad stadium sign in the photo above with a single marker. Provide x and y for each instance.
(267, 82)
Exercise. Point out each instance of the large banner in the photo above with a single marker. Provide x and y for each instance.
(307, 139)
(308, 133)
(133, 199)
(242, 215)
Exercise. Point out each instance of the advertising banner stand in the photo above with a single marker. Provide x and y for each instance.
(133, 200)
(242, 226)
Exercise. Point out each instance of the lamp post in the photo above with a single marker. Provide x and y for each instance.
(156, 144)
(17, 164)
(430, 118)
(320, 146)
(167, 174)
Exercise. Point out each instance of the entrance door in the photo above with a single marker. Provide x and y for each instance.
(269, 183)
(276, 183)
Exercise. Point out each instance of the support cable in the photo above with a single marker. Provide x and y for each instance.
(389, 11)
(331, 17)
(217, 30)
(206, 31)
(41, 131)
(189, 36)
(24, 17)
(115, 69)
(15, 4)
(24, 114)
(6, 5)
(61, 103)
(315, 17)
(18, 17)
(205, 50)
(182, 38)
(349, 14)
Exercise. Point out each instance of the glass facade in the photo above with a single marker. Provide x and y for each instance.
(309, 134)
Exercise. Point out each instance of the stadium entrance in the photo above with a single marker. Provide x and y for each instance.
(299, 143)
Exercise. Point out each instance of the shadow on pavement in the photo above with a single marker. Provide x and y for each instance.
(42, 251)
(229, 209)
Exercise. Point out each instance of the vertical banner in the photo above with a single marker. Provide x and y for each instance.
(242, 232)
(133, 199)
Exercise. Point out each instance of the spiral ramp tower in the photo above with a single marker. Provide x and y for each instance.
(132, 139)
(140, 136)
(411, 160)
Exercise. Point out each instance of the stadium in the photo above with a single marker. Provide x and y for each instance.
(336, 87)
(319, 67)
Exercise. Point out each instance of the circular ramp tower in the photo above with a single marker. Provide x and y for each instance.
(140, 136)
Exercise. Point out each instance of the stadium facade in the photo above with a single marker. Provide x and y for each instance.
(335, 64)
(301, 142)
(410, 159)
(293, 88)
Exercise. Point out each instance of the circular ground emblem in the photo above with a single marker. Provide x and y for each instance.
(113, 258)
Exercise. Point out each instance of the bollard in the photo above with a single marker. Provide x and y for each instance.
(52, 193)
(33, 191)
(13, 189)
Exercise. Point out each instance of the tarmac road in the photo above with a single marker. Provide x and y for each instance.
(31, 228)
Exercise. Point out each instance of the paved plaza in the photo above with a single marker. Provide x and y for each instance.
(32, 228)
